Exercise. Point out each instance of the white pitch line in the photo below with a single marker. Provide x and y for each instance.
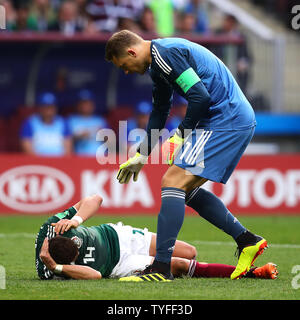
(229, 243)
(18, 235)
(195, 242)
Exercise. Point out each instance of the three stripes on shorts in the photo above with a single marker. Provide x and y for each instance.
(192, 155)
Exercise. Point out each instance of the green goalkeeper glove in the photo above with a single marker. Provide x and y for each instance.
(131, 167)
(170, 147)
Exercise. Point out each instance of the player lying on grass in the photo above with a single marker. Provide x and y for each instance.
(66, 249)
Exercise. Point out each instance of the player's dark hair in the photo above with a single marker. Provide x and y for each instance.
(119, 42)
(63, 250)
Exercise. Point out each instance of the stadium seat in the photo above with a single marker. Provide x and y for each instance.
(13, 127)
(23, 112)
(3, 134)
(118, 114)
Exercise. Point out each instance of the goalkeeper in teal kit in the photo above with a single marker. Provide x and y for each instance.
(218, 125)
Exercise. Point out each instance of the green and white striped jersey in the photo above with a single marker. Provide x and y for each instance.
(98, 245)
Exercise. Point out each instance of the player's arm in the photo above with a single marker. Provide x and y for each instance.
(162, 96)
(198, 103)
(70, 271)
(68, 143)
(185, 76)
(68, 146)
(182, 74)
(26, 134)
(48, 231)
(26, 146)
(80, 272)
(86, 208)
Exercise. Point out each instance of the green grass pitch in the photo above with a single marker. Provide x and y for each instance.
(17, 235)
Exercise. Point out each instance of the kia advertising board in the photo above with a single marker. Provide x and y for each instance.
(32, 185)
(44, 185)
(35, 188)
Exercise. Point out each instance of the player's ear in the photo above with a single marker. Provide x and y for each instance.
(131, 52)
(77, 254)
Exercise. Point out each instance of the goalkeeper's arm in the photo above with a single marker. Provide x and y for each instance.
(162, 96)
(157, 121)
(162, 99)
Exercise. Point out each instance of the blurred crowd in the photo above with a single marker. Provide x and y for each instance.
(281, 9)
(163, 17)
(77, 133)
(47, 133)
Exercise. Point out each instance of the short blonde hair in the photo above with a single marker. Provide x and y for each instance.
(118, 42)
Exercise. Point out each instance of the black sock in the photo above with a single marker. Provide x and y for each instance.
(163, 268)
(247, 238)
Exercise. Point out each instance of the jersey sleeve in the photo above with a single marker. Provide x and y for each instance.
(175, 65)
(47, 230)
(66, 129)
(162, 96)
(26, 129)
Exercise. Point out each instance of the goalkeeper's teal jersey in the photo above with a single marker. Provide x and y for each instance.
(98, 245)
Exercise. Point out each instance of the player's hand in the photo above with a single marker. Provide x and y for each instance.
(45, 256)
(131, 167)
(170, 147)
(64, 225)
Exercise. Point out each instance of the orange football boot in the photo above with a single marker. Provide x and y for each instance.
(268, 271)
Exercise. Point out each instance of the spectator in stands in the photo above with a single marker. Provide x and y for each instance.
(147, 21)
(281, 9)
(55, 4)
(106, 13)
(164, 14)
(41, 15)
(68, 19)
(128, 24)
(84, 20)
(230, 27)
(186, 22)
(196, 15)
(138, 121)
(22, 21)
(45, 133)
(82, 14)
(10, 14)
(85, 124)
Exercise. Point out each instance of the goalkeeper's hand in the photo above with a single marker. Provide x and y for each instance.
(131, 167)
(170, 147)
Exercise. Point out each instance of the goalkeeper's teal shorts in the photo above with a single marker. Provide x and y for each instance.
(213, 154)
